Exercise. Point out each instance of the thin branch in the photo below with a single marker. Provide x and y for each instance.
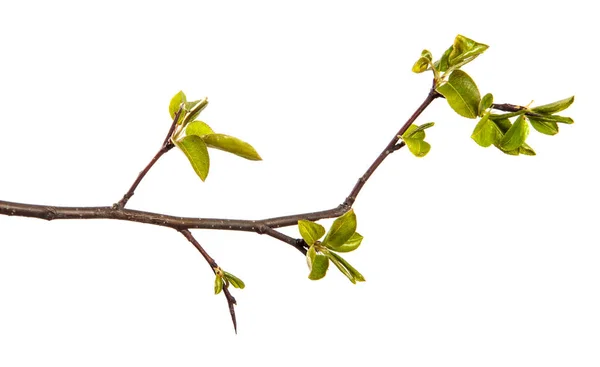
(231, 302)
(166, 146)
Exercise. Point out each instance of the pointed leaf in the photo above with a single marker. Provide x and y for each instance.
(461, 93)
(516, 135)
(485, 103)
(195, 150)
(352, 244)
(310, 231)
(176, 101)
(195, 108)
(341, 230)
(233, 280)
(218, 284)
(442, 64)
(464, 50)
(416, 131)
(198, 128)
(544, 126)
(418, 147)
(231, 145)
(555, 106)
(486, 132)
(526, 150)
(340, 263)
(556, 118)
(317, 263)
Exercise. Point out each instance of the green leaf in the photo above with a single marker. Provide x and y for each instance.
(486, 132)
(416, 131)
(485, 103)
(310, 231)
(233, 280)
(198, 128)
(317, 263)
(461, 93)
(554, 107)
(526, 150)
(442, 64)
(341, 230)
(352, 244)
(195, 108)
(348, 270)
(464, 50)
(195, 150)
(544, 126)
(231, 145)
(516, 135)
(218, 284)
(555, 118)
(503, 124)
(418, 147)
(176, 101)
(423, 63)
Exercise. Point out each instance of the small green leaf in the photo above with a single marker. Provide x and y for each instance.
(195, 108)
(231, 145)
(233, 280)
(485, 103)
(176, 101)
(418, 147)
(503, 124)
(416, 131)
(544, 126)
(218, 284)
(348, 270)
(556, 118)
(352, 244)
(486, 132)
(317, 263)
(198, 128)
(526, 150)
(195, 150)
(442, 64)
(554, 107)
(464, 50)
(516, 135)
(310, 231)
(423, 63)
(341, 230)
(461, 93)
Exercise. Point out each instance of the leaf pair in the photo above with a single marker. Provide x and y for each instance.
(199, 136)
(341, 237)
(414, 139)
(222, 278)
(544, 120)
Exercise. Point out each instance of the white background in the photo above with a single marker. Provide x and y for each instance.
(472, 257)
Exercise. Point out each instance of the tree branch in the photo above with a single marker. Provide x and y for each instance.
(231, 302)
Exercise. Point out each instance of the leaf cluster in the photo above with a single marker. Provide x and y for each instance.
(194, 137)
(341, 237)
(507, 131)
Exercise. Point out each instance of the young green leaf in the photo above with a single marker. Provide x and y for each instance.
(464, 50)
(461, 93)
(195, 108)
(516, 135)
(317, 263)
(485, 103)
(198, 128)
(526, 150)
(348, 270)
(486, 132)
(352, 244)
(196, 152)
(544, 126)
(231, 145)
(233, 280)
(416, 131)
(554, 107)
(176, 101)
(218, 284)
(442, 64)
(419, 148)
(341, 230)
(423, 63)
(310, 231)
(556, 118)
